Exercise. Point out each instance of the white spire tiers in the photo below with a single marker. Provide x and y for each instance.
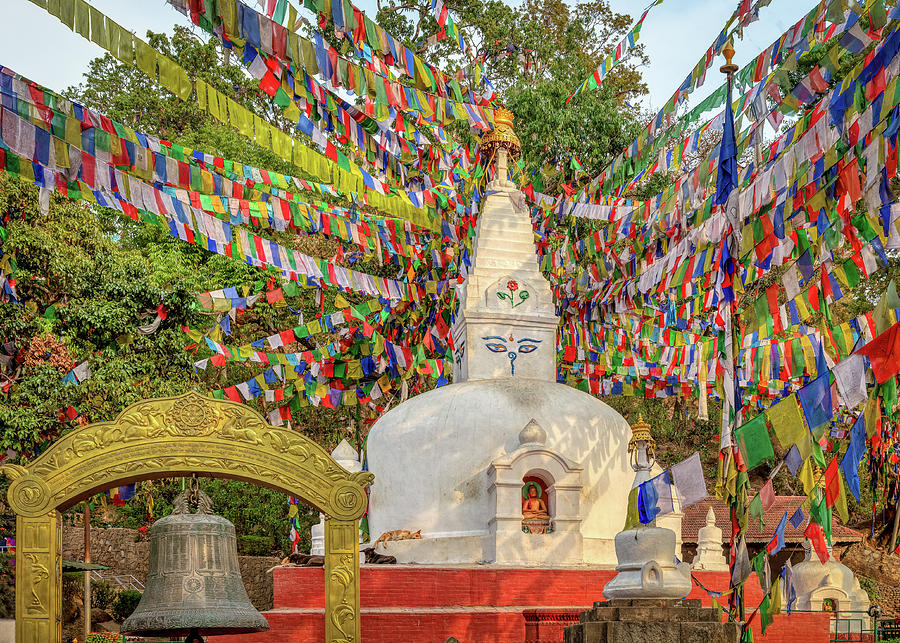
(507, 321)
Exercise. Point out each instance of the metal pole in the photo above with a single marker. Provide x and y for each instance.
(87, 573)
(737, 597)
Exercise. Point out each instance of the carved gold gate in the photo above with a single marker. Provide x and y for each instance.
(170, 437)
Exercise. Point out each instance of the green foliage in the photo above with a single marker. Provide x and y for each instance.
(126, 602)
(7, 586)
(870, 587)
(89, 277)
(536, 55)
(103, 595)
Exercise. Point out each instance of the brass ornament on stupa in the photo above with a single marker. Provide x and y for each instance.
(640, 430)
(502, 136)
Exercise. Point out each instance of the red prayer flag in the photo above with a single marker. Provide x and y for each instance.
(832, 483)
(817, 538)
(884, 353)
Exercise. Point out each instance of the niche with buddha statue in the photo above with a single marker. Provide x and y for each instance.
(536, 517)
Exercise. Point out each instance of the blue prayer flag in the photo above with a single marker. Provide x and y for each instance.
(728, 169)
(815, 399)
(854, 455)
(797, 518)
(793, 460)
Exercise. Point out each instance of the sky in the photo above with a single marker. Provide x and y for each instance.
(675, 35)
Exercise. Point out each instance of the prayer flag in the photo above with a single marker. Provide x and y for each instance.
(817, 537)
(687, 476)
(754, 442)
(856, 449)
(884, 353)
(728, 171)
(787, 422)
(777, 543)
(815, 398)
(655, 498)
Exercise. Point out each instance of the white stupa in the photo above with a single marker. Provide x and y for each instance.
(452, 462)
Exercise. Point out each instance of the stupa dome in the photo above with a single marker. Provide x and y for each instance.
(431, 457)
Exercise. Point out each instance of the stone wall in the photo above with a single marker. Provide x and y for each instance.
(127, 552)
(882, 567)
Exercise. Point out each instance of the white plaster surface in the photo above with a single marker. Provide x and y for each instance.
(815, 581)
(431, 456)
(710, 555)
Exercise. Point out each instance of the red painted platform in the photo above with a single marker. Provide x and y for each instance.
(477, 604)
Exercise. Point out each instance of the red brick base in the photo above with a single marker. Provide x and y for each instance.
(481, 604)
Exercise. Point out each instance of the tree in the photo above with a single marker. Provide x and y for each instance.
(535, 56)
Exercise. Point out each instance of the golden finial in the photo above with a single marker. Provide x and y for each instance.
(501, 136)
(819, 476)
(640, 430)
(729, 67)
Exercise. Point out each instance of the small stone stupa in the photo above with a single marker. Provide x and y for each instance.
(504, 465)
(646, 554)
(710, 556)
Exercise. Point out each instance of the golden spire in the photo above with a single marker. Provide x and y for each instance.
(502, 136)
(640, 430)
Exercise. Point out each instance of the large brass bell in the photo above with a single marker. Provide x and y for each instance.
(194, 584)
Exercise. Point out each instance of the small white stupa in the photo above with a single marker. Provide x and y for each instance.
(710, 556)
(505, 465)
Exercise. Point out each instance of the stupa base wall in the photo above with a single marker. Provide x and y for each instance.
(476, 604)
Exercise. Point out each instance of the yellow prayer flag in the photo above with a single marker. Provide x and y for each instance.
(98, 28)
(62, 152)
(201, 94)
(789, 426)
(806, 477)
(82, 19)
(146, 58)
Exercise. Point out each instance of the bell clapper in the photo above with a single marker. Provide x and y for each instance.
(194, 637)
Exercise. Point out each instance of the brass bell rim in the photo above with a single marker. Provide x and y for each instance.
(202, 631)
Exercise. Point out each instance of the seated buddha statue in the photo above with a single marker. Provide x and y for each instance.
(535, 517)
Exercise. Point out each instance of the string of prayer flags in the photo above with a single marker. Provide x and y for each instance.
(615, 57)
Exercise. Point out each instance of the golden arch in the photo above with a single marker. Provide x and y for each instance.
(179, 436)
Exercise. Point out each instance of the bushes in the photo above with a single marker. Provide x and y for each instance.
(103, 595)
(126, 602)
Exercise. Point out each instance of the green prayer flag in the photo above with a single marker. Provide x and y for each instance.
(754, 442)
(632, 516)
(756, 510)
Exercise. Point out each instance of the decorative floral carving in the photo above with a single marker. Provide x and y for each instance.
(39, 574)
(512, 286)
(341, 599)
